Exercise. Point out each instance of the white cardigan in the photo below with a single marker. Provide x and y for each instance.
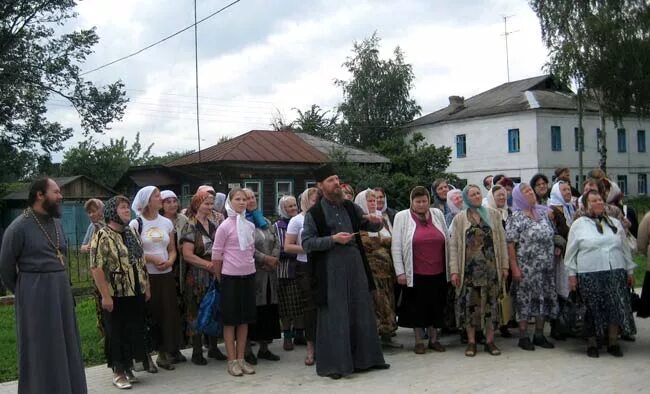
(402, 242)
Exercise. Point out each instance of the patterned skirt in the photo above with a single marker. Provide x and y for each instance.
(197, 281)
(607, 300)
(289, 298)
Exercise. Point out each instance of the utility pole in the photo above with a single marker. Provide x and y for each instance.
(196, 75)
(581, 140)
(506, 33)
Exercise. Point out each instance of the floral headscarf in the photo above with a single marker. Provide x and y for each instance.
(520, 203)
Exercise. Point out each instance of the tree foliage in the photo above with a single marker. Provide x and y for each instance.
(317, 122)
(37, 65)
(376, 98)
(604, 47)
(105, 163)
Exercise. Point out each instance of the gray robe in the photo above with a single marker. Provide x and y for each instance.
(346, 334)
(49, 350)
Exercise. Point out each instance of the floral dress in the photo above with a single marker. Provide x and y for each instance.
(535, 295)
(477, 301)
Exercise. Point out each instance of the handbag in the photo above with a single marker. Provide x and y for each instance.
(505, 306)
(630, 239)
(208, 320)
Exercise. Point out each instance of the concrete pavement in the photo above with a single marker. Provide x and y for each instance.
(564, 369)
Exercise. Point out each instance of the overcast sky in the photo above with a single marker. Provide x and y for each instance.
(264, 56)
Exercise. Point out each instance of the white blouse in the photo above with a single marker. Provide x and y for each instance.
(590, 251)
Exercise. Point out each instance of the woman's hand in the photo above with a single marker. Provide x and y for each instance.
(401, 280)
(271, 262)
(455, 280)
(107, 304)
(573, 283)
(516, 274)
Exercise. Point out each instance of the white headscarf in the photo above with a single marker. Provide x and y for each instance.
(557, 200)
(491, 203)
(141, 199)
(450, 203)
(282, 211)
(362, 202)
(245, 229)
(165, 194)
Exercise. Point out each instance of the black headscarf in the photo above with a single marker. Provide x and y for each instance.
(133, 244)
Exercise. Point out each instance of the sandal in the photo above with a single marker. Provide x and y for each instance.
(437, 346)
(470, 351)
(492, 349)
(309, 360)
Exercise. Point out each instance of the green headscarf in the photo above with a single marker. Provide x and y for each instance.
(482, 211)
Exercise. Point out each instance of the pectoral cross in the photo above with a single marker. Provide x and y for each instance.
(59, 256)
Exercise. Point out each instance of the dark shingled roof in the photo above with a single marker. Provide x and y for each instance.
(542, 92)
(276, 146)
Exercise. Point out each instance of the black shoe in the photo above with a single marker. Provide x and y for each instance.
(216, 354)
(250, 358)
(267, 355)
(541, 341)
(198, 359)
(592, 351)
(177, 357)
(615, 350)
(526, 344)
(335, 376)
(381, 366)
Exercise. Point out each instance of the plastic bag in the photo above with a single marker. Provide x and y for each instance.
(208, 320)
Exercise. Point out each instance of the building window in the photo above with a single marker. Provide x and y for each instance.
(576, 135)
(256, 187)
(185, 190)
(556, 138)
(461, 145)
(622, 183)
(642, 183)
(309, 184)
(513, 140)
(282, 188)
(622, 141)
(640, 140)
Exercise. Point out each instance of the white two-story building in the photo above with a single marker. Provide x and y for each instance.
(524, 127)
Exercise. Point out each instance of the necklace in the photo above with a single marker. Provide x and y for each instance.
(59, 255)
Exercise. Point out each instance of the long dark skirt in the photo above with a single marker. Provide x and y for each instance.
(124, 327)
(303, 279)
(163, 307)
(644, 307)
(608, 302)
(238, 300)
(423, 305)
(267, 326)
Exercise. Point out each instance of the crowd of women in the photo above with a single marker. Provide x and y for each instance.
(454, 261)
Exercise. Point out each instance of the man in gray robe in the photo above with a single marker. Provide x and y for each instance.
(32, 266)
(346, 337)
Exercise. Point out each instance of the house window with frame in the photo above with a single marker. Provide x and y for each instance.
(513, 140)
(256, 187)
(576, 136)
(309, 184)
(622, 140)
(556, 138)
(461, 145)
(282, 188)
(621, 180)
(640, 140)
(185, 190)
(642, 183)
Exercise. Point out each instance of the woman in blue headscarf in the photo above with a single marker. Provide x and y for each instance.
(478, 264)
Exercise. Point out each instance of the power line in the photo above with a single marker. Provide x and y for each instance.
(162, 40)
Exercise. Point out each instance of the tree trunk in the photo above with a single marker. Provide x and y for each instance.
(602, 142)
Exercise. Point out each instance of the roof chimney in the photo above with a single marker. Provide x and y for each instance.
(456, 102)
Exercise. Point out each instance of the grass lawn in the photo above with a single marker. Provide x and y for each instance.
(91, 342)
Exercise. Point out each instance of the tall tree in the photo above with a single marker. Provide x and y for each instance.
(377, 97)
(604, 48)
(106, 163)
(37, 65)
(316, 122)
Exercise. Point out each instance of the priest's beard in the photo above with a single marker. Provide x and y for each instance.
(53, 208)
(335, 196)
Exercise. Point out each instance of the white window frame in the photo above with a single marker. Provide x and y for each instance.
(309, 184)
(260, 191)
(277, 191)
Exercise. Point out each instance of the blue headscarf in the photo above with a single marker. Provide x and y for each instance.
(467, 204)
(257, 219)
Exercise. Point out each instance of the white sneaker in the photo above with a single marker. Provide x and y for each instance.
(234, 368)
(121, 382)
(246, 367)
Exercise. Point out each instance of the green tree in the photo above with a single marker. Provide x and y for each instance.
(107, 163)
(37, 65)
(167, 157)
(604, 48)
(317, 122)
(377, 98)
